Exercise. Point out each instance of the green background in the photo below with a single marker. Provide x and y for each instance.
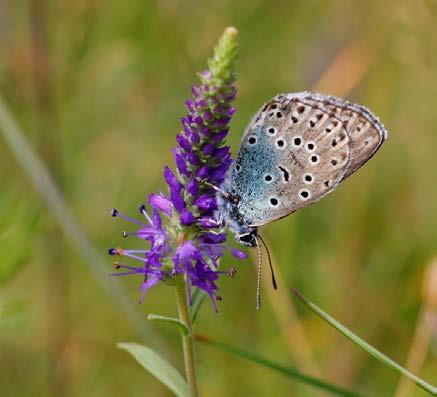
(99, 88)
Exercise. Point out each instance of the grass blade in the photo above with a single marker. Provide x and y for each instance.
(364, 345)
(159, 367)
(284, 370)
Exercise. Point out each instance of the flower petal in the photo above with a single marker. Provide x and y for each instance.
(171, 179)
(160, 202)
(239, 254)
(187, 218)
(150, 282)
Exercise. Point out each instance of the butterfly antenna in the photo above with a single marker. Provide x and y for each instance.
(258, 276)
(270, 262)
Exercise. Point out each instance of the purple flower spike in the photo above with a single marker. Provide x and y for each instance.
(181, 235)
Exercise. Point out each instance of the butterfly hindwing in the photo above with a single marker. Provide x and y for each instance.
(365, 130)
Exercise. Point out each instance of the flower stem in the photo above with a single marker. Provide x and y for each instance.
(187, 340)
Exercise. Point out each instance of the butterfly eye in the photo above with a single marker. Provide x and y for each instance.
(252, 140)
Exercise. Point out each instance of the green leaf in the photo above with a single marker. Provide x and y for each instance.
(284, 370)
(198, 298)
(159, 367)
(183, 328)
(364, 345)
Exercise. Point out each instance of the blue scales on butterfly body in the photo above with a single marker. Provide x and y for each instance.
(296, 150)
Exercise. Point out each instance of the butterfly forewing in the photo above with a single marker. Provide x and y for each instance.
(296, 150)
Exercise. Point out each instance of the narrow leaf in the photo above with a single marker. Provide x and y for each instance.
(182, 327)
(364, 345)
(198, 298)
(284, 370)
(159, 367)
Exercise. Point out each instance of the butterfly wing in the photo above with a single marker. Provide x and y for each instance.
(365, 130)
(297, 149)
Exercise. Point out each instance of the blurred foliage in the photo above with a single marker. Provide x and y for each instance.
(118, 74)
(17, 224)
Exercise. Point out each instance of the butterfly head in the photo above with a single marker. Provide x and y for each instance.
(248, 237)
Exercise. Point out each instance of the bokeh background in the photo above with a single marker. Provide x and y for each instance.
(98, 88)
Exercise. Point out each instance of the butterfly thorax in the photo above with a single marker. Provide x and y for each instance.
(228, 205)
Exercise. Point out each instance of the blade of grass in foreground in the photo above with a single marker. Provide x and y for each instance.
(364, 345)
(284, 370)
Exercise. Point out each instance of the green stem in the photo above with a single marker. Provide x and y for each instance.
(188, 339)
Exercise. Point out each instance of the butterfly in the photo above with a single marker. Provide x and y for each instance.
(298, 148)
